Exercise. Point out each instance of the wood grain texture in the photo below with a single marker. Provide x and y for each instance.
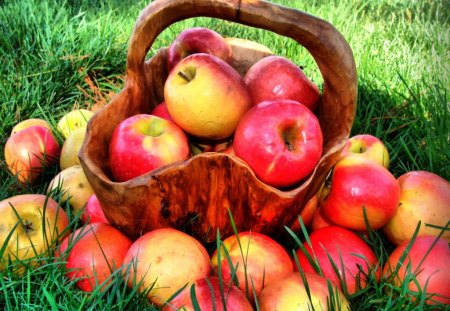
(196, 195)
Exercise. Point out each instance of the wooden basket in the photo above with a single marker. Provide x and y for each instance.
(198, 194)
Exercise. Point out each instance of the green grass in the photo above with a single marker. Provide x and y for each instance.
(60, 55)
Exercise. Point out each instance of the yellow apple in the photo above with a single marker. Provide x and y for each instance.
(71, 147)
(30, 224)
(72, 120)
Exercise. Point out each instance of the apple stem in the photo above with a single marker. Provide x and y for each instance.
(184, 76)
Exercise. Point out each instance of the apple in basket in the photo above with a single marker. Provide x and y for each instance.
(197, 40)
(142, 143)
(281, 140)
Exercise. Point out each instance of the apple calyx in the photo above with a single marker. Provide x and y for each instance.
(28, 226)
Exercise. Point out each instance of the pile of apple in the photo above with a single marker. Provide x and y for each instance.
(209, 106)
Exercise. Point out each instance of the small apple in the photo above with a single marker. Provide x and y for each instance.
(197, 40)
(30, 225)
(30, 122)
(74, 187)
(428, 260)
(354, 258)
(366, 145)
(30, 151)
(93, 211)
(142, 143)
(425, 197)
(161, 111)
(206, 97)
(92, 254)
(291, 293)
(276, 77)
(164, 260)
(306, 214)
(72, 120)
(319, 220)
(259, 259)
(71, 147)
(208, 294)
(281, 140)
(358, 183)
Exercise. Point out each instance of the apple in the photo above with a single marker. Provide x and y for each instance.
(197, 40)
(276, 77)
(369, 146)
(291, 293)
(354, 258)
(142, 143)
(71, 147)
(30, 151)
(281, 140)
(163, 261)
(206, 97)
(73, 120)
(428, 260)
(319, 220)
(259, 259)
(358, 183)
(161, 111)
(425, 197)
(30, 225)
(73, 187)
(30, 122)
(92, 254)
(306, 214)
(93, 211)
(208, 294)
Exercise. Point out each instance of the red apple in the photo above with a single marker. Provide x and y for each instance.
(93, 211)
(319, 220)
(276, 77)
(291, 293)
(92, 254)
(306, 214)
(163, 261)
(260, 261)
(424, 197)
(161, 111)
(142, 143)
(206, 97)
(208, 294)
(29, 151)
(368, 146)
(358, 183)
(428, 260)
(281, 140)
(347, 250)
(197, 40)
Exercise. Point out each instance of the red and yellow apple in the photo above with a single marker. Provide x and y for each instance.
(163, 261)
(260, 260)
(428, 261)
(30, 122)
(197, 40)
(73, 120)
(93, 211)
(30, 225)
(425, 197)
(359, 184)
(206, 97)
(281, 140)
(30, 151)
(276, 77)
(92, 254)
(142, 143)
(368, 146)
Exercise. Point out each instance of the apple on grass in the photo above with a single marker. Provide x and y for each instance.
(359, 184)
(425, 197)
(290, 292)
(428, 261)
(30, 151)
(353, 257)
(92, 254)
(30, 225)
(30, 122)
(281, 140)
(257, 260)
(368, 146)
(73, 120)
(142, 143)
(93, 211)
(163, 261)
(197, 40)
(206, 97)
(276, 77)
(208, 294)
